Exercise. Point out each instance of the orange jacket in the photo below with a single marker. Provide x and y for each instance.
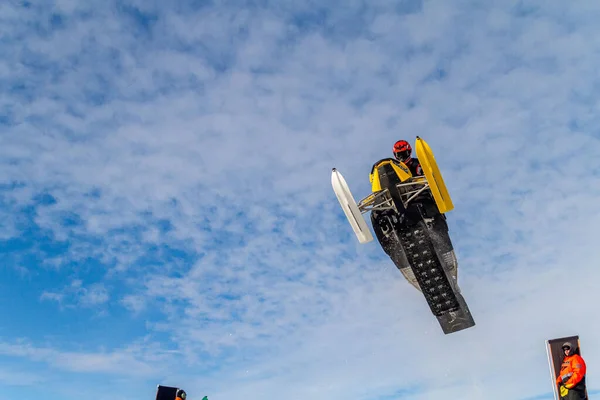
(572, 367)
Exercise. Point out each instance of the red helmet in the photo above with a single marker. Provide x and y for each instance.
(402, 150)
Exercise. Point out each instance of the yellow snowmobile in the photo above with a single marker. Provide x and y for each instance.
(407, 214)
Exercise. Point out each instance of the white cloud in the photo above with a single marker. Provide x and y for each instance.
(17, 378)
(189, 169)
(130, 361)
(76, 294)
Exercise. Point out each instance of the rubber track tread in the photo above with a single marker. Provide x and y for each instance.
(428, 270)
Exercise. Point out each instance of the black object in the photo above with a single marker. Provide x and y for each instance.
(166, 392)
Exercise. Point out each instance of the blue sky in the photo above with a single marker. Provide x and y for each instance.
(167, 215)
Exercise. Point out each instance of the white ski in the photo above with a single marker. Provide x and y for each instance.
(355, 217)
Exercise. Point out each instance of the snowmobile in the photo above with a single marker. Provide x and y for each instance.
(409, 221)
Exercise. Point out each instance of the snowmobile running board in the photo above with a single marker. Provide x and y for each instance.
(434, 176)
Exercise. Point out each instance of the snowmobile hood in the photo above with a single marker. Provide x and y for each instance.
(400, 170)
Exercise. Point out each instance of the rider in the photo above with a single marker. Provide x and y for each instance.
(402, 151)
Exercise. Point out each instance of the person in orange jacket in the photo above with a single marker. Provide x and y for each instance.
(571, 379)
(181, 395)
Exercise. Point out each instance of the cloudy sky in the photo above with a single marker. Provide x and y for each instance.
(167, 215)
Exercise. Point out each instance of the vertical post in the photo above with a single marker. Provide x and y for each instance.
(553, 372)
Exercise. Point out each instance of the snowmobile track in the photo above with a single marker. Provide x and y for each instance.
(428, 270)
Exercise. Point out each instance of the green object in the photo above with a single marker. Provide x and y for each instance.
(205, 398)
